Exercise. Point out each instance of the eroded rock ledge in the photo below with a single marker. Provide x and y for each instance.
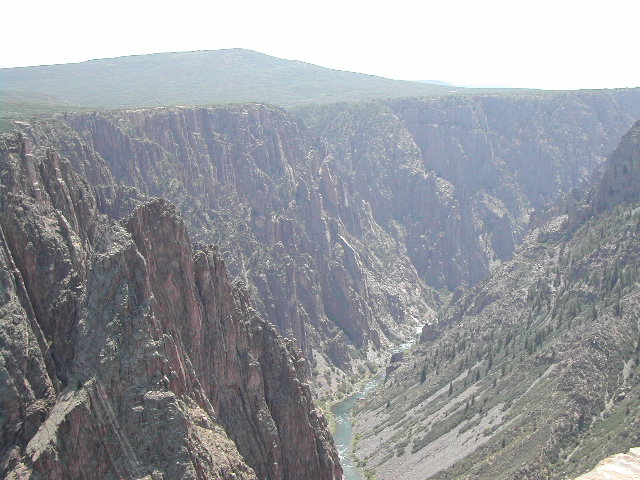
(617, 467)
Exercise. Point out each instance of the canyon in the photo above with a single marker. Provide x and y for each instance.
(344, 221)
(532, 373)
(181, 284)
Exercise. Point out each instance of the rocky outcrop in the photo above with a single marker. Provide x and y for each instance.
(394, 363)
(125, 350)
(455, 178)
(618, 467)
(619, 182)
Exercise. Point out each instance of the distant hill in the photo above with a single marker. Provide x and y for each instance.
(192, 78)
(437, 82)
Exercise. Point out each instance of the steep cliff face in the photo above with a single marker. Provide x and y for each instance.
(619, 183)
(456, 177)
(535, 373)
(125, 350)
(253, 181)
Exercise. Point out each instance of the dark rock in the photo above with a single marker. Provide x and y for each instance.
(397, 357)
(254, 181)
(126, 352)
(395, 363)
(429, 333)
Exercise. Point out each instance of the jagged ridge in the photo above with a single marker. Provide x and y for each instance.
(126, 352)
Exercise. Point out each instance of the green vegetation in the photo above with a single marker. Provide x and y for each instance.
(22, 106)
(543, 378)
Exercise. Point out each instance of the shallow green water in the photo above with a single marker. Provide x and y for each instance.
(344, 430)
(343, 435)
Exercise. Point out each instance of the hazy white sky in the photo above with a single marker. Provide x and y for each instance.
(563, 44)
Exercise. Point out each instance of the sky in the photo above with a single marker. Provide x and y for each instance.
(559, 44)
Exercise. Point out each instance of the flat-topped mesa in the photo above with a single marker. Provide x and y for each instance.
(138, 359)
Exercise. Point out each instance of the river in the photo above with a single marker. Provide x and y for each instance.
(343, 436)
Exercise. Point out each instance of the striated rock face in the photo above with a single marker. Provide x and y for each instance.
(125, 352)
(340, 229)
(534, 372)
(252, 180)
(455, 178)
(619, 182)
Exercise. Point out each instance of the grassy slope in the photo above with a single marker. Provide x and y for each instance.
(198, 78)
(543, 368)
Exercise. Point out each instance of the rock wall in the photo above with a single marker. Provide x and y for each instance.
(125, 352)
(455, 178)
(252, 180)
